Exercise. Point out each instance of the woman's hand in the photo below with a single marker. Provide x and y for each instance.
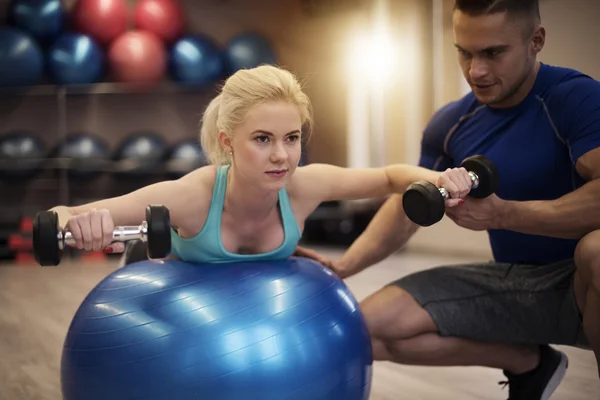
(93, 231)
(458, 184)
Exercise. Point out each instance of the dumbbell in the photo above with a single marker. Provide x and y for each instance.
(49, 240)
(424, 203)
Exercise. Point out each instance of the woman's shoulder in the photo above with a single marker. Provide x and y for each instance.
(193, 194)
(303, 179)
(201, 180)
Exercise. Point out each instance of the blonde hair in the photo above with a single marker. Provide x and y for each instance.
(242, 91)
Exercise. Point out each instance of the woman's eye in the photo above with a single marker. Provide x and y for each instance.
(262, 139)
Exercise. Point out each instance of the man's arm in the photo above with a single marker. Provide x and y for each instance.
(571, 216)
(575, 105)
(390, 229)
(387, 232)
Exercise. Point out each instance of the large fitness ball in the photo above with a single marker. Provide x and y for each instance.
(164, 18)
(196, 60)
(42, 19)
(75, 58)
(137, 57)
(22, 154)
(141, 153)
(185, 156)
(103, 20)
(247, 51)
(252, 330)
(88, 155)
(21, 59)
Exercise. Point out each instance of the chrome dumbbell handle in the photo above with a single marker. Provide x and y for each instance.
(474, 185)
(120, 234)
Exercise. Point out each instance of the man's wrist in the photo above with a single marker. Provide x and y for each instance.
(507, 211)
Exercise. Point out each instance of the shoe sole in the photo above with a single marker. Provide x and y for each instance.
(557, 377)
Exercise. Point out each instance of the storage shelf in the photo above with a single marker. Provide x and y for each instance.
(106, 166)
(163, 87)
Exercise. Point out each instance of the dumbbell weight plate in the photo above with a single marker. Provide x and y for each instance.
(485, 169)
(45, 238)
(423, 203)
(159, 231)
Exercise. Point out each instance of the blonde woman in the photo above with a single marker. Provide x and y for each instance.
(251, 202)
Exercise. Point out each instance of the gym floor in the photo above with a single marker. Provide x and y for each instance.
(38, 303)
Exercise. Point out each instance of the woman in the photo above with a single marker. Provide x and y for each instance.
(252, 201)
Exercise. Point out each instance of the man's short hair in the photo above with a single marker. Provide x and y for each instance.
(518, 8)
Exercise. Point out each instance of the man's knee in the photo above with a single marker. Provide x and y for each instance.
(587, 259)
(393, 314)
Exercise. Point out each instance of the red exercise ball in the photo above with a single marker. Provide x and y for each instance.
(137, 57)
(103, 20)
(162, 17)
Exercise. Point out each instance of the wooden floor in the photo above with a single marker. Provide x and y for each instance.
(37, 305)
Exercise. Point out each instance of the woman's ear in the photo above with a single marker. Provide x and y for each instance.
(225, 141)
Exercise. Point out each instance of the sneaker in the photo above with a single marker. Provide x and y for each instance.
(540, 383)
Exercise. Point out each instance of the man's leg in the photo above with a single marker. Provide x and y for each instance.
(494, 315)
(403, 332)
(587, 288)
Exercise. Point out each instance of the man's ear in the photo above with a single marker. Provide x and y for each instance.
(539, 38)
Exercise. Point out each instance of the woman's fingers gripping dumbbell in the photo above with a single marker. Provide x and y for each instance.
(92, 230)
(457, 183)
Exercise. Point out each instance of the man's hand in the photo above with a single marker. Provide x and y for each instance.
(478, 214)
(313, 255)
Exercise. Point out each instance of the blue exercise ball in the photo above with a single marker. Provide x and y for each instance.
(43, 19)
(247, 51)
(185, 156)
(75, 58)
(21, 59)
(23, 154)
(251, 330)
(196, 60)
(141, 153)
(88, 155)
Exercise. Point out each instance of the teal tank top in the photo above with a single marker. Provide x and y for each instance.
(206, 246)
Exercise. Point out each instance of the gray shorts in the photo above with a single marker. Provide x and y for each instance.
(501, 302)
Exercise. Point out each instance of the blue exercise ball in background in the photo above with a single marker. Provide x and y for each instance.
(247, 51)
(252, 330)
(44, 20)
(21, 59)
(196, 60)
(22, 154)
(185, 156)
(88, 155)
(141, 153)
(75, 58)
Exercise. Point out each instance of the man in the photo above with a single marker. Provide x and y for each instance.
(540, 125)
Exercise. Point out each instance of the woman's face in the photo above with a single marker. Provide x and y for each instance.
(267, 145)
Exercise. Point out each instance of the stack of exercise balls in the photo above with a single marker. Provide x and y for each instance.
(139, 42)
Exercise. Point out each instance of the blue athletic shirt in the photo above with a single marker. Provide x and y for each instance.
(534, 145)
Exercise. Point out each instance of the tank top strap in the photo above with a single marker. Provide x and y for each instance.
(290, 225)
(218, 196)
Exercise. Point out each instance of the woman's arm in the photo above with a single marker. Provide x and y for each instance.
(324, 182)
(179, 196)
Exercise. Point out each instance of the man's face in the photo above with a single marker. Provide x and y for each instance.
(497, 55)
